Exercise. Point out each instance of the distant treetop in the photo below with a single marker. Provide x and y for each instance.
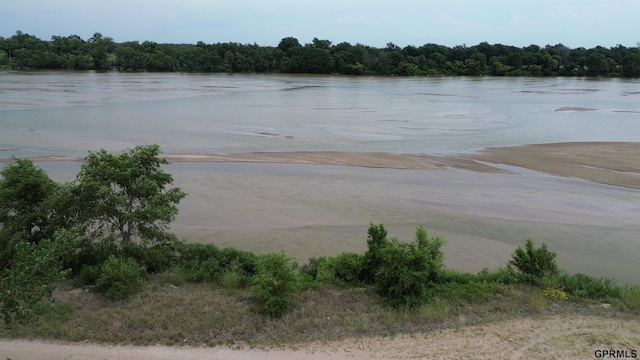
(24, 51)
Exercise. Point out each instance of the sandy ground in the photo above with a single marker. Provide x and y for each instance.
(613, 163)
(548, 338)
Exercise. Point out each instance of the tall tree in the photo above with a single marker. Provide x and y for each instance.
(24, 212)
(124, 197)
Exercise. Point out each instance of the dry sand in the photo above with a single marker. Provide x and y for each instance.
(545, 338)
(613, 163)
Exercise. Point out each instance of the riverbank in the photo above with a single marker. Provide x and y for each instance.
(560, 337)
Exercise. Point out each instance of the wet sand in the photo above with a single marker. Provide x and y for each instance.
(613, 163)
(484, 204)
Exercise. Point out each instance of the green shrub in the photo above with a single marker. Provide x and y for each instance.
(504, 275)
(458, 277)
(313, 267)
(205, 262)
(407, 269)
(120, 276)
(242, 261)
(276, 284)
(630, 296)
(581, 285)
(198, 262)
(553, 293)
(376, 241)
(231, 280)
(533, 264)
(346, 269)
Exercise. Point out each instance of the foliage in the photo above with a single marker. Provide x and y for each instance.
(505, 275)
(630, 297)
(25, 212)
(123, 197)
(407, 269)
(119, 277)
(556, 294)
(373, 257)
(276, 284)
(24, 51)
(533, 264)
(344, 270)
(205, 262)
(26, 280)
(581, 285)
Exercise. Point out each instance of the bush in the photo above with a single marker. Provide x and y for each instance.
(376, 241)
(505, 275)
(534, 264)
(581, 285)
(630, 296)
(408, 268)
(198, 262)
(276, 284)
(120, 276)
(346, 269)
(205, 262)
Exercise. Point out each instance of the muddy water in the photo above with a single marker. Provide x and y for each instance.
(323, 210)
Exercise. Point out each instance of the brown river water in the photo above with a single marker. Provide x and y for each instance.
(317, 210)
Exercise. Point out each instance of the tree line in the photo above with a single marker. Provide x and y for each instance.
(24, 51)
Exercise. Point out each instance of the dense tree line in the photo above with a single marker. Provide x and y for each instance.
(24, 51)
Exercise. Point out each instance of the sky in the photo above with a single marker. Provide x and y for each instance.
(573, 23)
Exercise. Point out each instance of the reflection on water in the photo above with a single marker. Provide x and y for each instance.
(71, 113)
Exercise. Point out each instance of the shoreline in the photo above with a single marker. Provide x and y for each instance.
(610, 163)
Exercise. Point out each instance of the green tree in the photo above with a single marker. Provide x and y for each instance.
(25, 280)
(123, 197)
(534, 263)
(276, 283)
(25, 209)
(407, 269)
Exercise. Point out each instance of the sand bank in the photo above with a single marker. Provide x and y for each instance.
(612, 163)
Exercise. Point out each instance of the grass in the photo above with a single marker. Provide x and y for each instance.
(211, 315)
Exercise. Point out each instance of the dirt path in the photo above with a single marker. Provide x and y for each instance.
(549, 338)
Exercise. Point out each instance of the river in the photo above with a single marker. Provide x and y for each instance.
(311, 210)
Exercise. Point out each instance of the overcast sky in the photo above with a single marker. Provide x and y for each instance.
(574, 23)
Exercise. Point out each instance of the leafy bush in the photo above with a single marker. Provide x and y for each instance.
(275, 284)
(458, 277)
(205, 262)
(242, 261)
(408, 268)
(534, 264)
(198, 262)
(344, 270)
(554, 293)
(373, 258)
(630, 296)
(505, 275)
(26, 280)
(581, 285)
(120, 276)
